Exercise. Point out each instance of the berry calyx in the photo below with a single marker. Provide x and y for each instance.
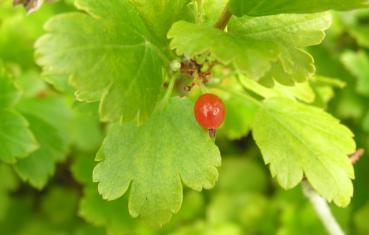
(209, 111)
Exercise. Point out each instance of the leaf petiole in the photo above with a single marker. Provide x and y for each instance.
(241, 95)
(168, 93)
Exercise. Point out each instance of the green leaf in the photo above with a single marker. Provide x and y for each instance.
(113, 215)
(60, 205)
(360, 32)
(9, 181)
(59, 82)
(86, 132)
(18, 32)
(8, 184)
(325, 89)
(82, 167)
(298, 140)
(365, 122)
(358, 64)
(110, 55)
(16, 138)
(40, 164)
(30, 83)
(351, 106)
(259, 47)
(273, 7)
(53, 110)
(19, 211)
(17, 141)
(9, 95)
(154, 159)
(159, 15)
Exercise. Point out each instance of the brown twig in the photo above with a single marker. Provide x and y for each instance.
(357, 155)
(223, 19)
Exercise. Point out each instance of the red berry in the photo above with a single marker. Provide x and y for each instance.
(209, 111)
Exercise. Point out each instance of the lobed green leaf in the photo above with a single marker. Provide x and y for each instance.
(17, 140)
(9, 95)
(40, 164)
(114, 52)
(154, 159)
(298, 140)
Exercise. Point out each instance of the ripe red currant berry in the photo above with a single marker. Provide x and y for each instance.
(209, 112)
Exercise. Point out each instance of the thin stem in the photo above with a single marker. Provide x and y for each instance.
(203, 88)
(168, 93)
(253, 86)
(323, 211)
(199, 82)
(223, 19)
(242, 95)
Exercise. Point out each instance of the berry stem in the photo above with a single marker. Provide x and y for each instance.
(212, 133)
(223, 19)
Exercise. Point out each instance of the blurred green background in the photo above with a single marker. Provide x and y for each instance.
(245, 201)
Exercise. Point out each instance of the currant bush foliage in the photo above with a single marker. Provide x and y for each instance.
(109, 65)
(120, 59)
